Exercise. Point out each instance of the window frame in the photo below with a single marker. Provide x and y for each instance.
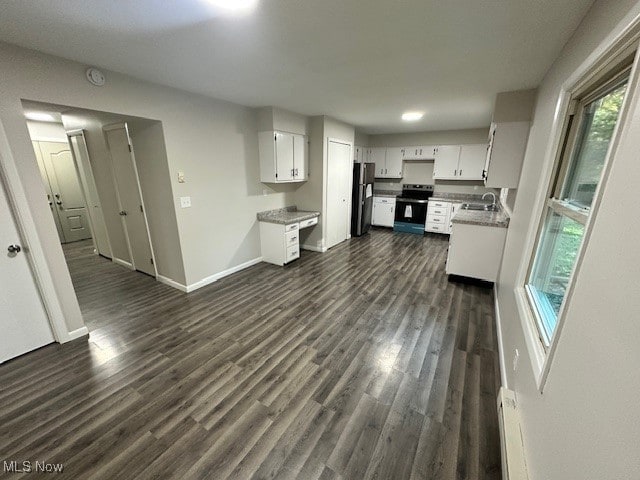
(604, 69)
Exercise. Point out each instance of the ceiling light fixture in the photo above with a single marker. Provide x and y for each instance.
(234, 6)
(412, 116)
(40, 116)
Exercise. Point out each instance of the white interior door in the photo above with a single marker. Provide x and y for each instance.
(339, 178)
(94, 207)
(68, 199)
(24, 325)
(130, 198)
(47, 186)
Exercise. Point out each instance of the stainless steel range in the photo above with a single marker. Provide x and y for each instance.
(411, 208)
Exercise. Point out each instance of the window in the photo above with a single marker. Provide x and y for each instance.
(589, 131)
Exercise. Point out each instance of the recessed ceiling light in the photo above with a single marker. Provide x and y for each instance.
(412, 116)
(40, 116)
(234, 6)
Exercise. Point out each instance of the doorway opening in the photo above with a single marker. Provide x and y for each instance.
(89, 163)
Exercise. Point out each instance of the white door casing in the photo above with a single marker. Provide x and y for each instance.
(339, 178)
(23, 319)
(80, 154)
(130, 201)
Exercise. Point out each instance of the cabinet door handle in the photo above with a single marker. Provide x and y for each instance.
(455, 172)
(460, 172)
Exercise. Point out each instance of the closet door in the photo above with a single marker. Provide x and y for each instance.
(339, 178)
(125, 175)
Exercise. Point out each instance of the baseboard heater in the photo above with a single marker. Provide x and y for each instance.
(514, 466)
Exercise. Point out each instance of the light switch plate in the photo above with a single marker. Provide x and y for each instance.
(181, 177)
(185, 202)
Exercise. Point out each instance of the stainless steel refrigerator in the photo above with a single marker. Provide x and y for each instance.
(362, 198)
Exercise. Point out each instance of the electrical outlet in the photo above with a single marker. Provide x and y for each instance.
(185, 202)
(516, 359)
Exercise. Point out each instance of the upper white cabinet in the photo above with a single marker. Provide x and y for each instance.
(377, 156)
(507, 146)
(472, 161)
(459, 162)
(422, 152)
(393, 167)
(446, 162)
(388, 161)
(358, 154)
(283, 157)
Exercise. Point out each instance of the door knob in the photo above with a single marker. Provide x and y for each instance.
(14, 248)
(123, 213)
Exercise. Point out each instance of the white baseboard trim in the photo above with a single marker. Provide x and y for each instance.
(172, 283)
(501, 357)
(313, 248)
(217, 276)
(122, 262)
(77, 333)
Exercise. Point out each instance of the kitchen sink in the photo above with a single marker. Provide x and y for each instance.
(480, 206)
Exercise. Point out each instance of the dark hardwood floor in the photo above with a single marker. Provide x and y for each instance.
(363, 362)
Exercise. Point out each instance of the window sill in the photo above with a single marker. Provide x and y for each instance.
(537, 354)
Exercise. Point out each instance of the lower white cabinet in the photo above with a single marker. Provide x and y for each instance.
(440, 215)
(384, 209)
(280, 243)
(475, 251)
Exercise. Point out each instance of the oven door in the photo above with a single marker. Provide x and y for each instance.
(410, 215)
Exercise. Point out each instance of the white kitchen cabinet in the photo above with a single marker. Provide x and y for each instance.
(454, 209)
(446, 162)
(438, 216)
(459, 162)
(283, 157)
(280, 243)
(507, 146)
(393, 162)
(475, 251)
(358, 154)
(388, 161)
(378, 156)
(421, 152)
(384, 209)
(472, 162)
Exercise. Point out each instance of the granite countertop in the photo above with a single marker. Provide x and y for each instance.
(386, 193)
(459, 197)
(286, 216)
(474, 217)
(482, 218)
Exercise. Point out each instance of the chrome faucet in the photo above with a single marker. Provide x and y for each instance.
(493, 195)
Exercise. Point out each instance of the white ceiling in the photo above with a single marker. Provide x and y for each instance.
(361, 61)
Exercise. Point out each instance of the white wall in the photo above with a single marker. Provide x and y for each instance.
(155, 181)
(312, 194)
(47, 131)
(586, 423)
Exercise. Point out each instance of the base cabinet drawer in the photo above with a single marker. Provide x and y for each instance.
(440, 219)
(293, 252)
(292, 238)
(435, 227)
(309, 222)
